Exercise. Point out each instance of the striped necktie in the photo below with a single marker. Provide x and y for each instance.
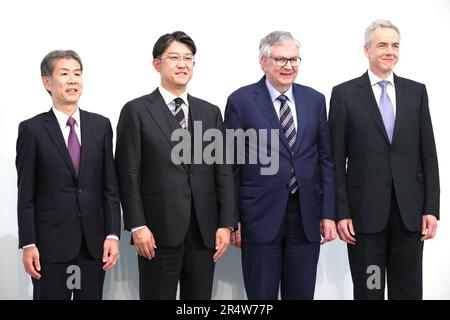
(178, 113)
(287, 123)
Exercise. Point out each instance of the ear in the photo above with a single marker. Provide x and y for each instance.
(156, 64)
(366, 50)
(46, 82)
(263, 63)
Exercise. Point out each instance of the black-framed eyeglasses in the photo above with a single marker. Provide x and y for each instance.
(173, 58)
(282, 61)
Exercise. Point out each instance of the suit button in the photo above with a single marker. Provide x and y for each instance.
(79, 190)
(393, 155)
(187, 196)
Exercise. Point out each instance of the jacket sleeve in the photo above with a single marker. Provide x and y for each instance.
(223, 176)
(26, 159)
(110, 190)
(337, 121)
(429, 159)
(128, 164)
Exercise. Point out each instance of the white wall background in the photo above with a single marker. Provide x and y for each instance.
(115, 40)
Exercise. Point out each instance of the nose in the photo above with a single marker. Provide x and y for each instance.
(288, 65)
(73, 78)
(181, 63)
(390, 49)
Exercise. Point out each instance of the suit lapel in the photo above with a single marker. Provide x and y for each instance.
(195, 114)
(302, 114)
(164, 119)
(86, 134)
(365, 93)
(54, 131)
(401, 105)
(264, 102)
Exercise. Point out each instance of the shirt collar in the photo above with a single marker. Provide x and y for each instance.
(374, 79)
(274, 94)
(62, 117)
(169, 96)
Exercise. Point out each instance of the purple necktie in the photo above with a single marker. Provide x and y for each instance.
(74, 145)
(387, 110)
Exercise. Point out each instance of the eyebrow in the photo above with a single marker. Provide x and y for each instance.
(181, 54)
(67, 69)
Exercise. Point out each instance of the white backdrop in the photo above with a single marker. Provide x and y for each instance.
(115, 41)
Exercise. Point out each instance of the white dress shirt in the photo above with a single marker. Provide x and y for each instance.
(274, 94)
(168, 99)
(390, 88)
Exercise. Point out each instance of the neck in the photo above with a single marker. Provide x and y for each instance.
(178, 91)
(380, 74)
(282, 89)
(67, 109)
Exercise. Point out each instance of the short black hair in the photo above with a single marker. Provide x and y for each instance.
(165, 40)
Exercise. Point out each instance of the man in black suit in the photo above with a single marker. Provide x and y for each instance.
(387, 176)
(180, 214)
(68, 199)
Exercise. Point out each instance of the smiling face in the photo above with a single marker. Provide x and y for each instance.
(383, 51)
(281, 77)
(65, 83)
(176, 66)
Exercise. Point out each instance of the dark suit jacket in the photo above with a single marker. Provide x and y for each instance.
(55, 207)
(158, 193)
(375, 167)
(263, 198)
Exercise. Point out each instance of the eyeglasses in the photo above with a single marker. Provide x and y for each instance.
(173, 58)
(282, 61)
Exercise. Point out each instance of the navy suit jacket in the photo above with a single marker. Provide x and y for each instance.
(262, 199)
(55, 207)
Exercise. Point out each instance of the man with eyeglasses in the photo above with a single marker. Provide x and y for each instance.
(180, 215)
(283, 216)
(387, 173)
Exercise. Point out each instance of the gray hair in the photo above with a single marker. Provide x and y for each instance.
(379, 23)
(273, 39)
(48, 61)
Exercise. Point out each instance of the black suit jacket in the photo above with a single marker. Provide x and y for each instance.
(158, 193)
(55, 207)
(368, 167)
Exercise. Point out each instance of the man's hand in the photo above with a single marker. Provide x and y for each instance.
(429, 226)
(110, 253)
(223, 236)
(327, 230)
(144, 243)
(31, 262)
(346, 231)
(236, 237)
